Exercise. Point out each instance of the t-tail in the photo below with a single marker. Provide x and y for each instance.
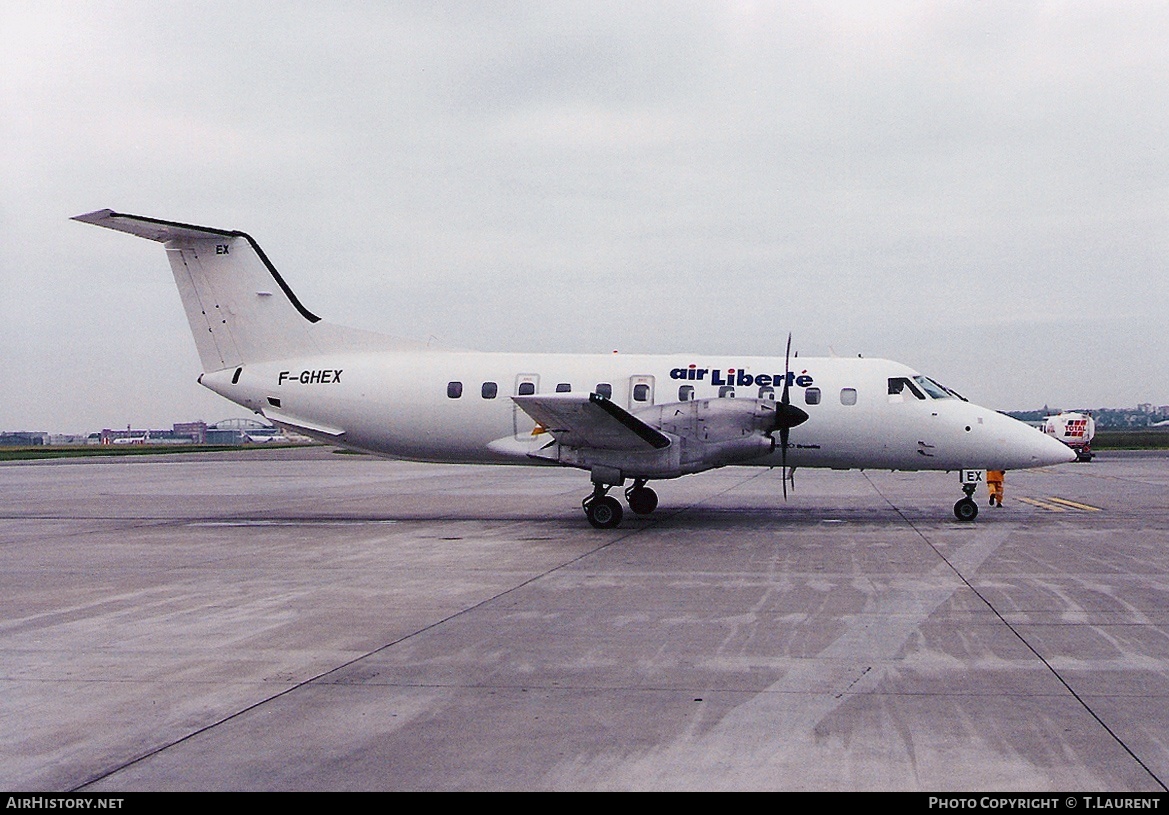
(239, 307)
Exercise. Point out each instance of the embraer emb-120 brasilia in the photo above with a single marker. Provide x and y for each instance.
(620, 417)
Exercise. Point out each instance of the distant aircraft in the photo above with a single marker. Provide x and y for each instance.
(620, 417)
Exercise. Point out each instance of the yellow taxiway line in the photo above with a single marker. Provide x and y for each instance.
(1074, 505)
(1053, 504)
(1042, 504)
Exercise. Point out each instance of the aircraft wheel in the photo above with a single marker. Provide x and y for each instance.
(604, 512)
(642, 500)
(965, 510)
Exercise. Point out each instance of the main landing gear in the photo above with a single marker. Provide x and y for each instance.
(604, 511)
(642, 500)
(966, 509)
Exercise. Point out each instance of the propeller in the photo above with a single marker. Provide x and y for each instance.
(787, 415)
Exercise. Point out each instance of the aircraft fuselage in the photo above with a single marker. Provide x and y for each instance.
(455, 406)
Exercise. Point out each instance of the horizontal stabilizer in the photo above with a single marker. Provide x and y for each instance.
(152, 228)
(303, 426)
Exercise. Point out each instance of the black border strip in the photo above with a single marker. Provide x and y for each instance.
(652, 437)
(233, 233)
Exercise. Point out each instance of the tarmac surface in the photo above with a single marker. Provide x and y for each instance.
(305, 619)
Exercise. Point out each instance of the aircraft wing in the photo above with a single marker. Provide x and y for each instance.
(591, 420)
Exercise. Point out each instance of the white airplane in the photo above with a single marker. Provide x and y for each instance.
(621, 417)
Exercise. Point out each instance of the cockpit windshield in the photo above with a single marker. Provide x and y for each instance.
(898, 385)
(937, 390)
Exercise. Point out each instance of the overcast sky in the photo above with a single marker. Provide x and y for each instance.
(977, 189)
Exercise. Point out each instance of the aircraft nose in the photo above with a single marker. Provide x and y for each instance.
(1046, 450)
(1022, 446)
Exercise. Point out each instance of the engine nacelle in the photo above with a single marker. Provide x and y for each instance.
(703, 433)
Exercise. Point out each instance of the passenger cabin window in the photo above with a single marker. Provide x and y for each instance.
(685, 393)
(527, 388)
(767, 392)
(605, 389)
(811, 396)
(726, 392)
(490, 390)
(564, 387)
(641, 393)
(454, 390)
(848, 396)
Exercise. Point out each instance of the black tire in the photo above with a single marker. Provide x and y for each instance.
(965, 510)
(642, 500)
(604, 513)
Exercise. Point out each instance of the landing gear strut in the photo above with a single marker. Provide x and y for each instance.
(966, 509)
(642, 500)
(602, 510)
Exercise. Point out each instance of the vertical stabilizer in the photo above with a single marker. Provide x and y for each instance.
(239, 308)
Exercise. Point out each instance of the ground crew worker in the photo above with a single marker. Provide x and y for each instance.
(994, 485)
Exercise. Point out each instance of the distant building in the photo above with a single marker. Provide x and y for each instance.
(226, 435)
(240, 431)
(227, 432)
(182, 433)
(58, 439)
(23, 438)
(196, 431)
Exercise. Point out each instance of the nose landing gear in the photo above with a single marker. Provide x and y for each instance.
(966, 509)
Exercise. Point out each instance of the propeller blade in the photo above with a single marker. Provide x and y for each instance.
(783, 457)
(787, 415)
(785, 399)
